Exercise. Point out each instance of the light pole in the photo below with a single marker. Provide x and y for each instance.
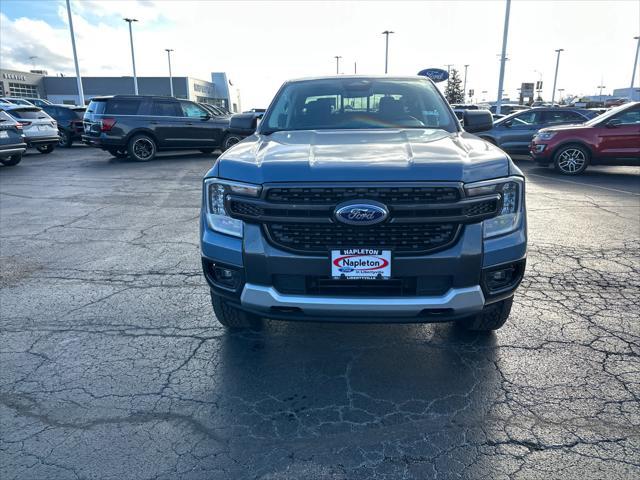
(601, 87)
(386, 49)
(169, 50)
(464, 88)
(555, 77)
(133, 57)
(355, 68)
(33, 61)
(635, 64)
(337, 57)
(561, 90)
(503, 56)
(75, 56)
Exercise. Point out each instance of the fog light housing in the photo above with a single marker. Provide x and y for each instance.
(503, 278)
(225, 276)
(540, 148)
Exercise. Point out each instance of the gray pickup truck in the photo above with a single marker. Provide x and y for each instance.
(361, 199)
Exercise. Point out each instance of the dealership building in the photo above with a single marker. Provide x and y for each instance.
(219, 91)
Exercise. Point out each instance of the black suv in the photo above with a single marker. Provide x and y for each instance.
(140, 126)
(69, 118)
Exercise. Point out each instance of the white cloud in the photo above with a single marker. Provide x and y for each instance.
(261, 44)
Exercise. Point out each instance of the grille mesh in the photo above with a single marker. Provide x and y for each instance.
(386, 195)
(401, 238)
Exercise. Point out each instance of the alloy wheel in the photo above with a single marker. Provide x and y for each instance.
(571, 160)
(143, 148)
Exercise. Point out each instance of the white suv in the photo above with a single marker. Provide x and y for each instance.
(40, 130)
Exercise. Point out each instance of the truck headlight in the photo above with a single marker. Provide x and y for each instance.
(215, 195)
(512, 191)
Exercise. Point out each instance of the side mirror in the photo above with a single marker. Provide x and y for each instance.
(477, 121)
(206, 116)
(243, 124)
(613, 123)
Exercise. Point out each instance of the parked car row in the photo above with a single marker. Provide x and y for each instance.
(39, 129)
(568, 138)
(140, 126)
(612, 138)
(28, 101)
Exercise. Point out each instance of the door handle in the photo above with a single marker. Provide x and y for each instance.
(189, 123)
(154, 123)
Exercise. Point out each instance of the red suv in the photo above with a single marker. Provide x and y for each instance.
(612, 138)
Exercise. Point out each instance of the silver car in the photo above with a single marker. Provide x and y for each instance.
(40, 130)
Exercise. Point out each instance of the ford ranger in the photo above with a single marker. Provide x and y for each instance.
(362, 199)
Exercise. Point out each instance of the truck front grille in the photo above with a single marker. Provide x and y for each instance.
(423, 216)
(401, 238)
(384, 194)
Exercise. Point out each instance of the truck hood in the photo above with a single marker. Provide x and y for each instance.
(362, 155)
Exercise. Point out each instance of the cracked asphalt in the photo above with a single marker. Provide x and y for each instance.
(112, 365)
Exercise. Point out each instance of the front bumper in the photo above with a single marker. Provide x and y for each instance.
(267, 300)
(541, 152)
(453, 281)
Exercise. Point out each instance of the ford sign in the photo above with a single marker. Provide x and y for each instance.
(361, 213)
(435, 74)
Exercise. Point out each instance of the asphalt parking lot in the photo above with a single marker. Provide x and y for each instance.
(113, 367)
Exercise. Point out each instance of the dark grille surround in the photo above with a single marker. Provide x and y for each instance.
(422, 217)
(400, 238)
(386, 195)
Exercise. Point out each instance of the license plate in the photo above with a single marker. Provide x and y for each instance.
(4, 134)
(361, 263)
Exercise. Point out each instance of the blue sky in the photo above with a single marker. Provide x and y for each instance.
(261, 44)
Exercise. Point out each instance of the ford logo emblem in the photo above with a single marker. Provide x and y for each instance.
(361, 213)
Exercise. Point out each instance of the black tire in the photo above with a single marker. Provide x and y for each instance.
(65, 139)
(207, 151)
(571, 159)
(229, 140)
(12, 160)
(142, 148)
(46, 148)
(491, 318)
(118, 153)
(233, 318)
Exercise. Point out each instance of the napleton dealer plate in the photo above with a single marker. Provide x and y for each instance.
(361, 263)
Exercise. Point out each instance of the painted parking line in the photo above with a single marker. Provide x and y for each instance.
(527, 174)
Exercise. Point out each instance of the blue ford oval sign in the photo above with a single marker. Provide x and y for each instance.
(435, 74)
(361, 213)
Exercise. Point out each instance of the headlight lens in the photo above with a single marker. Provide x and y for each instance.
(216, 192)
(512, 191)
(545, 135)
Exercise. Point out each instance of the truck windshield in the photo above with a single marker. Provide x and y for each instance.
(358, 103)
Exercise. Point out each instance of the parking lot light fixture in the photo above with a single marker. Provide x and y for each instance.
(464, 88)
(635, 65)
(555, 77)
(169, 50)
(75, 56)
(503, 55)
(601, 87)
(337, 57)
(386, 49)
(133, 57)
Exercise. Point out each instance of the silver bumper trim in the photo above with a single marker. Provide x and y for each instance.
(12, 151)
(460, 300)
